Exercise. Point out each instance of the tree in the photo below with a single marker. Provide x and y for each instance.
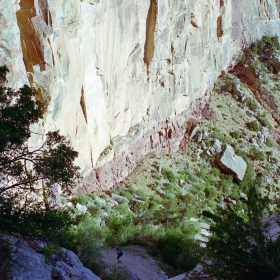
(241, 247)
(21, 166)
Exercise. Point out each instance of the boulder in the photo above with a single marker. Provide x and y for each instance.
(232, 164)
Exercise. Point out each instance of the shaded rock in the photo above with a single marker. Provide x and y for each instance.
(232, 164)
(179, 277)
(274, 228)
(68, 266)
(28, 264)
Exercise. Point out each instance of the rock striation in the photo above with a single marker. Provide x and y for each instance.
(122, 79)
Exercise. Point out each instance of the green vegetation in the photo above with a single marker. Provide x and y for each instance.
(48, 251)
(21, 167)
(254, 126)
(240, 247)
(264, 121)
(165, 204)
(40, 224)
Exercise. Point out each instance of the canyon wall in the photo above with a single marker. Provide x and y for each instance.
(123, 78)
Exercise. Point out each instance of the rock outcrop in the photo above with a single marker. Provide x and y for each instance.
(29, 264)
(122, 79)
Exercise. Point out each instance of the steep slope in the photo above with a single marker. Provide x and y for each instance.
(161, 203)
(121, 79)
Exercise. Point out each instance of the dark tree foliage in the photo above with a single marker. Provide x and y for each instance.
(25, 169)
(180, 252)
(241, 248)
(38, 223)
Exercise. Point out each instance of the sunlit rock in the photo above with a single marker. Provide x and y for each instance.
(230, 163)
(108, 68)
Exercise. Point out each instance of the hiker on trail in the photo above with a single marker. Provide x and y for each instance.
(119, 254)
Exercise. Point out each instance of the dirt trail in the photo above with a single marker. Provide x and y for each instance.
(136, 261)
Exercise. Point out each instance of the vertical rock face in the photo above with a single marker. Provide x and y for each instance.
(120, 78)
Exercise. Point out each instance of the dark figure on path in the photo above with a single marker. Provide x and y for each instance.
(119, 254)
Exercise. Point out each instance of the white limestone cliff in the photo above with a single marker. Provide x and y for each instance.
(122, 78)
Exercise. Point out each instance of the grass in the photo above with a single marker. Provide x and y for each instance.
(166, 195)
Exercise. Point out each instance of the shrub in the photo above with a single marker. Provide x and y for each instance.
(142, 234)
(203, 171)
(179, 252)
(168, 175)
(255, 49)
(243, 57)
(156, 176)
(253, 126)
(213, 178)
(216, 172)
(86, 238)
(251, 103)
(264, 121)
(82, 199)
(226, 183)
(211, 192)
(240, 247)
(230, 87)
(269, 142)
(249, 113)
(47, 225)
(48, 251)
(257, 154)
(236, 134)
(261, 45)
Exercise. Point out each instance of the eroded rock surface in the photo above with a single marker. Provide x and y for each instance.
(121, 79)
